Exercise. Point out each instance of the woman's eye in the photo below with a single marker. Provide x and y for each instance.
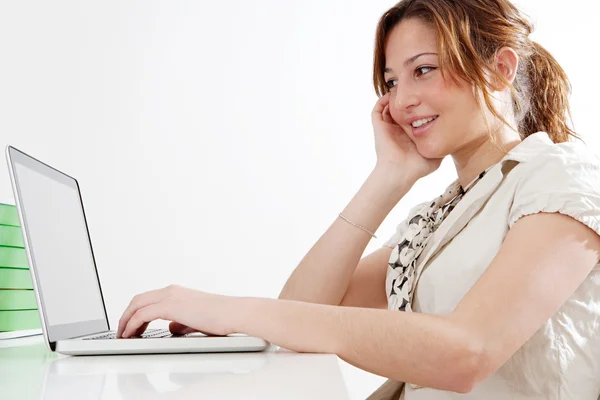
(420, 68)
(388, 84)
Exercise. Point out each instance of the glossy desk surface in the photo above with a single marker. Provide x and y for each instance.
(28, 370)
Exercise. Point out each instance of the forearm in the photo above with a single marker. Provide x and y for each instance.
(325, 272)
(424, 349)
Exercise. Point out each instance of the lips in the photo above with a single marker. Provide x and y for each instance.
(430, 120)
(423, 129)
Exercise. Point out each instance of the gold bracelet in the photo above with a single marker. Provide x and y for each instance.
(359, 226)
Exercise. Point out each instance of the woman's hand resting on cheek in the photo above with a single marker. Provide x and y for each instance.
(189, 310)
(394, 148)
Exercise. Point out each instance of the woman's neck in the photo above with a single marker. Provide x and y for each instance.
(476, 157)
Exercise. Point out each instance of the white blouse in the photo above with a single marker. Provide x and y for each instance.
(562, 359)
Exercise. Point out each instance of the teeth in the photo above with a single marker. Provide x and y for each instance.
(420, 122)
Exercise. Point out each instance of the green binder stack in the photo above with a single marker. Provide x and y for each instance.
(18, 308)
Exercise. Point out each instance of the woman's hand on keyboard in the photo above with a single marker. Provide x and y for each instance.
(189, 310)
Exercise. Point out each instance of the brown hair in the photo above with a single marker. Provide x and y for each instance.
(469, 34)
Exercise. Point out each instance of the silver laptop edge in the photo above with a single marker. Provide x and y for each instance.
(17, 196)
(74, 343)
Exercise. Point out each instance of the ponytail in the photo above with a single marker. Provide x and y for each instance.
(546, 88)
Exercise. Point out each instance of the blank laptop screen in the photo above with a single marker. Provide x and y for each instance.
(60, 248)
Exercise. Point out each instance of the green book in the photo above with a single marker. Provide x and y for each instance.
(8, 215)
(18, 320)
(11, 236)
(11, 278)
(11, 299)
(13, 257)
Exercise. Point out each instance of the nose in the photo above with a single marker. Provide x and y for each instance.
(406, 98)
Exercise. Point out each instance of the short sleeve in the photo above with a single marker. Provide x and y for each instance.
(403, 226)
(564, 180)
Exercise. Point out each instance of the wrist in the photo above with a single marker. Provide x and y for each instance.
(396, 178)
(242, 313)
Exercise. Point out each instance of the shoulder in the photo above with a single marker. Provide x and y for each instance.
(570, 157)
(565, 178)
(561, 167)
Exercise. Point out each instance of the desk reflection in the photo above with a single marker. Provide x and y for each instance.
(272, 374)
(28, 370)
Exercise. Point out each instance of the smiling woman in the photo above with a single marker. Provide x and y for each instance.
(462, 78)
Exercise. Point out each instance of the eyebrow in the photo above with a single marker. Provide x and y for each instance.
(409, 61)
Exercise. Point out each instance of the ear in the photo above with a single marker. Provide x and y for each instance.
(507, 62)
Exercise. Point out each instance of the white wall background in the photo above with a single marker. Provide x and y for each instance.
(215, 142)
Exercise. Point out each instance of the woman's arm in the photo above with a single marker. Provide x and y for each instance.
(424, 349)
(550, 253)
(367, 287)
(324, 274)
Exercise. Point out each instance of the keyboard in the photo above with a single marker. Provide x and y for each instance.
(149, 333)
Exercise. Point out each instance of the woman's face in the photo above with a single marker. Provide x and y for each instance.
(418, 90)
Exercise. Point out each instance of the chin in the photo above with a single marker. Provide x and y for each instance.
(431, 150)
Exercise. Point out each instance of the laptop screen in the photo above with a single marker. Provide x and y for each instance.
(60, 248)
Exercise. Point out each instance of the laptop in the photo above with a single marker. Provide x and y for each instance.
(65, 278)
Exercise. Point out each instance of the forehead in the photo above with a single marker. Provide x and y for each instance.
(408, 38)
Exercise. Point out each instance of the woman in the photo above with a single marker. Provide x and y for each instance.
(498, 277)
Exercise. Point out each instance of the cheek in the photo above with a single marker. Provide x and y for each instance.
(438, 96)
(457, 105)
(395, 113)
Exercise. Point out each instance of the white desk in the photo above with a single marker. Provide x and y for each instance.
(28, 370)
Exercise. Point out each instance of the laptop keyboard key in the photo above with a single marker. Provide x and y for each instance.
(149, 333)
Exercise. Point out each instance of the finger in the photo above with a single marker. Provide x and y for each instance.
(144, 315)
(387, 117)
(139, 301)
(380, 105)
(180, 329)
(141, 329)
